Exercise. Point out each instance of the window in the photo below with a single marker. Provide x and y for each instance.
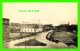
(5, 21)
(28, 29)
(25, 29)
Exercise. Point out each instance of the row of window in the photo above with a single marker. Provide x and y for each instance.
(30, 30)
(22, 30)
(5, 21)
(27, 25)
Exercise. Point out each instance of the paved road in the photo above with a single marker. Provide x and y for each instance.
(40, 37)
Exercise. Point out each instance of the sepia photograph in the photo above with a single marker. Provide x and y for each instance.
(29, 25)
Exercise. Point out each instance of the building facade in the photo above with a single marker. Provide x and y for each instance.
(5, 29)
(30, 28)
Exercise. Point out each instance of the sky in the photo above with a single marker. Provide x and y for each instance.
(50, 13)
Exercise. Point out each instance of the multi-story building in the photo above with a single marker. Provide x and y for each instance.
(30, 28)
(5, 29)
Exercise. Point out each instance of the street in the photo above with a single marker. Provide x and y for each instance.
(41, 38)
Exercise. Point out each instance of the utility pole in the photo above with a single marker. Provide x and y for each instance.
(25, 44)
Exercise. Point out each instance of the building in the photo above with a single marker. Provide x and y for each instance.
(15, 28)
(47, 27)
(30, 28)
(5, 29)
(62, 27)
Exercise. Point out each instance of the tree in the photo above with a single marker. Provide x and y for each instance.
(36, 26)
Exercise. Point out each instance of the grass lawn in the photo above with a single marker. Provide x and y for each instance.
(17, 35)
(63, 35)
(13, 35)
(31, 42)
